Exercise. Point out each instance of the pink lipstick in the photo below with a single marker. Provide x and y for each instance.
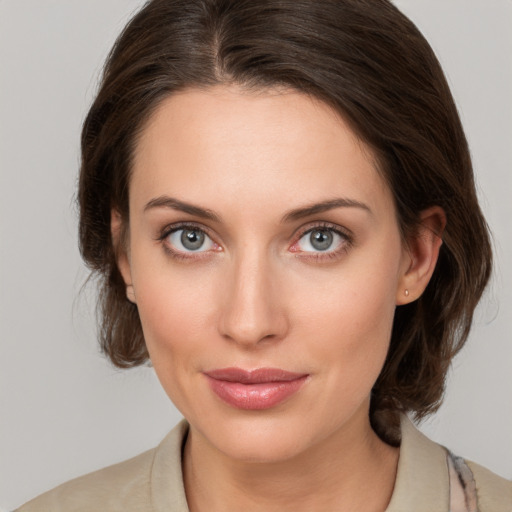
(254, 390)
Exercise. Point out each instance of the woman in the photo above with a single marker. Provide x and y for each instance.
(279, 199)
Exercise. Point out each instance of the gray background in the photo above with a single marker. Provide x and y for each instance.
(64, 410)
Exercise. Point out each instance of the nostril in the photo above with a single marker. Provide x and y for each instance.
(255, 327)
(248, 335)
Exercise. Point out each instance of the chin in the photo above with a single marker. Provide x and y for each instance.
(260, 440)
(263, 451)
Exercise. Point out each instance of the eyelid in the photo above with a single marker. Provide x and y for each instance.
(166, 231)
(176, 226)
(311, 226)
(345, 233)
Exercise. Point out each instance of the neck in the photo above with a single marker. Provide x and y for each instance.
(351, 470)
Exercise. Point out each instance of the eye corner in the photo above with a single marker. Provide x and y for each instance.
(293, 248)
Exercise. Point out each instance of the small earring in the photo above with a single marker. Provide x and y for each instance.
(406, 293)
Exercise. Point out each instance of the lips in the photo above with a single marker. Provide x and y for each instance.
(254, 390)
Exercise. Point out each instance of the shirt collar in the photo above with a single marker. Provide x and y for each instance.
(422, 482)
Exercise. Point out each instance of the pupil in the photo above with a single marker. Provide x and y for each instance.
(192, 240)
(321, 240)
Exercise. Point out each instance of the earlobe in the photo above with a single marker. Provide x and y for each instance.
(422, 254)
(130, 293)
(121, 251)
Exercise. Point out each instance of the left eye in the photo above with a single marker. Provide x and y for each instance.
(190, 240)
(319, 240)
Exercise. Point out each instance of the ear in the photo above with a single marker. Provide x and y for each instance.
(420, 255)
(121, 252)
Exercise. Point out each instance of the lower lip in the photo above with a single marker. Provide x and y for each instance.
(255, 396)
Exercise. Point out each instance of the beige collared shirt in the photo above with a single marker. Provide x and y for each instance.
(153, 482)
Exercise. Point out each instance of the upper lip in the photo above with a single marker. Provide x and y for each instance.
(257, 376)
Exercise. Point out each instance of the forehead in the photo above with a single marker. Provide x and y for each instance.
(225, 142)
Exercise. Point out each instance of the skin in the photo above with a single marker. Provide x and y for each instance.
(257, 294)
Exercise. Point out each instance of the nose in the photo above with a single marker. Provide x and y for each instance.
(252, 310)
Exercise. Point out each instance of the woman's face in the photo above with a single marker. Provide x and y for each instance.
(262, 237)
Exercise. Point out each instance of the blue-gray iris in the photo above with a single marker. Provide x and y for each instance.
(192, 239)
(321, 240)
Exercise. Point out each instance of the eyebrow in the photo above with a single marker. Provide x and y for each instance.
(324, 206)
(293, 215)
(176, 204)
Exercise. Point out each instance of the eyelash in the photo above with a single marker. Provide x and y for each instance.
(317, 256)
(345, 245)
(178, 255)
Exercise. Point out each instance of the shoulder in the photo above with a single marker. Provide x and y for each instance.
(430, 477)
(149, 482)
(120, 487)
(494, 492)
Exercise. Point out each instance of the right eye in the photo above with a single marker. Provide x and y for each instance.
(189, 239)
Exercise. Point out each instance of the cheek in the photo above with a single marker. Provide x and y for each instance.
(174, 310)
(350, 317)
(352, 353)
(175, 320)
(356, 332)
(355, 301)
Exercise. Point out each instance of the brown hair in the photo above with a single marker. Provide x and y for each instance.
(370, 63)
